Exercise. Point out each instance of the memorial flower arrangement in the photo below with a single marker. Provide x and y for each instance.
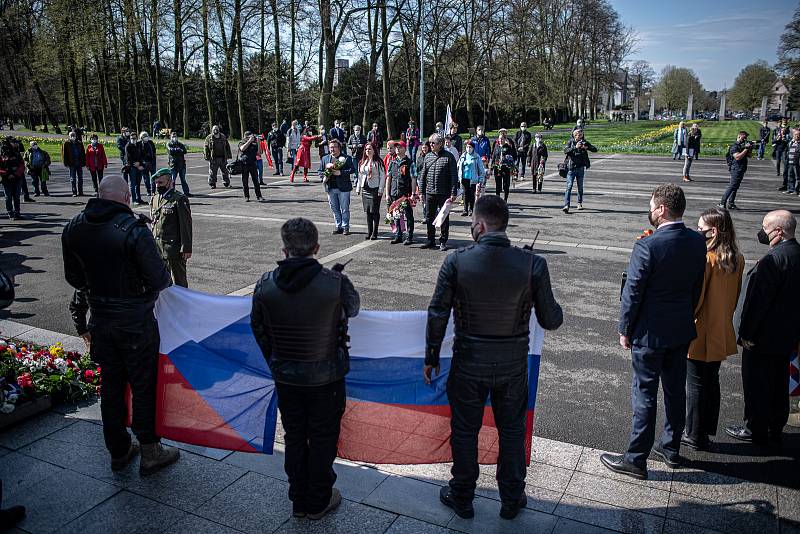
(333, 166)
(396, 213)
(28, 372)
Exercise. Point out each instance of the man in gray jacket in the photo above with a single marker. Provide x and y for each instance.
(439, 181)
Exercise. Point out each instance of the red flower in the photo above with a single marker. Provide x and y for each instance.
(25, 381)
(88, 374)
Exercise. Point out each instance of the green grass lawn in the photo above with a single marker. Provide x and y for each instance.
(53, 147)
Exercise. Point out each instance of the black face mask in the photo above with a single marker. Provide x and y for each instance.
(472, 232)
(162, 189)
(763, 237)
(705, 234)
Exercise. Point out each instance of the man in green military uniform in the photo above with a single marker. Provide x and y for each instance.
(172, 225)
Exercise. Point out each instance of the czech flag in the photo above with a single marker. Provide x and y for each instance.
(215, 389)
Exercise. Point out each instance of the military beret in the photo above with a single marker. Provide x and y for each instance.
(160, 172)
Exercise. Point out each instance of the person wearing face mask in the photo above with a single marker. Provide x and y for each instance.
(177, 162)
(96, 160)
(172, 225)
(523, 142)
(716, 337)
(276, 141)
(537, 155)
(768, 331)
(356, 143)
(737, 156)
(664, 285)
(504, 159)
(148, 149)
(136, 170)
(122, 141)
(308, 360)
(472, 174)
(38, 163)
(217, 152)
(412, 140)
(491, 318)
(111, 257)
(249, 149)
(577, 151)
(73, 155)
(483, 148)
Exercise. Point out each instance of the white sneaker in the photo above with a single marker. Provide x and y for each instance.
(580, 206)
(565, 209)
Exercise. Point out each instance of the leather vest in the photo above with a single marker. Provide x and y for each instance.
(493, 297)
(308, 325)
(107, 256)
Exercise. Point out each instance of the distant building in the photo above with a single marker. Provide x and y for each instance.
(778, 97)
(341, 64)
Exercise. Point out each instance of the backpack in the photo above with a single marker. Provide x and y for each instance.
(729, 159)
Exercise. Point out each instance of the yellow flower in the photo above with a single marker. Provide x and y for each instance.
(57, 350)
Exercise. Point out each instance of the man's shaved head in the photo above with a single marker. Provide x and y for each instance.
(782, 219)
(114, 188)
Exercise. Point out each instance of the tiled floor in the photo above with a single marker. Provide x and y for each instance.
(56, 465)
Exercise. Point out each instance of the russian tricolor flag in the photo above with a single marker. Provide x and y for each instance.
(215, 389)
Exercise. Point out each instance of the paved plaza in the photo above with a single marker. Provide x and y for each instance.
(56, 464)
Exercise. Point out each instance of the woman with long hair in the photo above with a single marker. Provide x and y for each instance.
(370, 185)
(303, 158)
(716, 339)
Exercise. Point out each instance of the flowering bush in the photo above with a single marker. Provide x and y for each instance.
(28, 371)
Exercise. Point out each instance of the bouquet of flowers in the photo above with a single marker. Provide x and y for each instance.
(646, 233)
(333, 166)
(28, 372)
(396, 214)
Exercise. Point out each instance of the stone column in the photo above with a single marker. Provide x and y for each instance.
(722, 106)
(763, 114)
(636, 108)
(652, 108)
(690, 107)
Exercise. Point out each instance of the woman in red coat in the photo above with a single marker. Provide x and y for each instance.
(303, 158)
(96, 161)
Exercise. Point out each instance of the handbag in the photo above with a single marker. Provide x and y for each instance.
(562, 168)
(236, 166)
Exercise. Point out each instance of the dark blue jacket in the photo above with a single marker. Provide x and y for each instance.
(482, 146)
(343, 182)
(665, 281)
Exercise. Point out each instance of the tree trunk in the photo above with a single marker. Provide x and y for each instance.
(240, 69)
(157, 61)
(74, 79)
(277, 59)
(90, 117)
(293, 15)
(328, 43)
(387, 83)
(206, 69)
(65, 87)
(42, 98)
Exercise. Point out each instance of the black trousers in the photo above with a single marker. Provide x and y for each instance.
(765, 380)
(250, 173)
(128, 354)
(729, 196)
(522, 161)
(97, 177)
(468, 391)
(433, 203)
(503, 182)
(277, 160)
(469, 194)
(702, 399)
(311, 417)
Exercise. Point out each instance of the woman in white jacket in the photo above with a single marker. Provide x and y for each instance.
(370, 185)
(293, 140)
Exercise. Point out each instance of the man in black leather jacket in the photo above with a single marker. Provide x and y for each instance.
(491, 288)
(309, 359)
(111, 258)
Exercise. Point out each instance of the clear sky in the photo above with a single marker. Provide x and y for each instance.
(715, 38)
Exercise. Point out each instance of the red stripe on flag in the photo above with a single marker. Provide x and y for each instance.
(409, 434)
(183, 415)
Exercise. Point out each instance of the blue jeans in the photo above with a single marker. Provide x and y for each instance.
(412, 155)
(182, 174)
(729, 196)
(793, 178)
(134, 182)
(260, 170)
(761, 145)
(76, 180)
(340, 206)
(577, 172)
(12, 190)
(277, 160)
(650, 365)
(149, 181)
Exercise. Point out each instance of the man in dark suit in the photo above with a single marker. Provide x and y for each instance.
(769, 331)
(665, 280)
